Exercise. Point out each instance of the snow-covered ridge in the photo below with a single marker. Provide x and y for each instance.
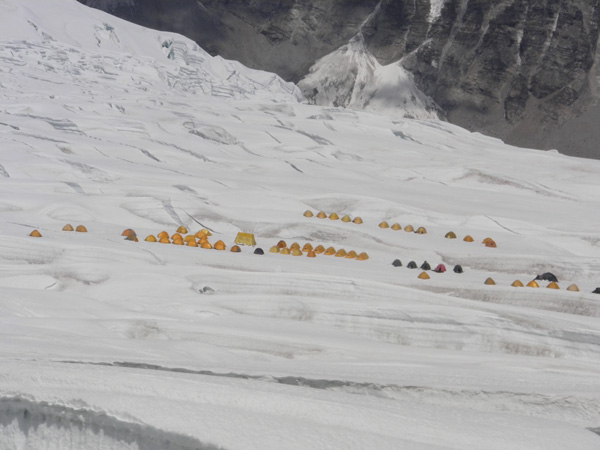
(99, 42)
(351, 77)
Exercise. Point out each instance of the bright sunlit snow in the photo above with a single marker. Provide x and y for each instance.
(113, 344)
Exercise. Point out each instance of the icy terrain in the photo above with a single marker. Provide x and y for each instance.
(113, 344)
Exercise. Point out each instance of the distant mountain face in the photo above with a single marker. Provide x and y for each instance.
(521, 70)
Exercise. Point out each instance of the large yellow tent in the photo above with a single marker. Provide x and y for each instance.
(245, 239)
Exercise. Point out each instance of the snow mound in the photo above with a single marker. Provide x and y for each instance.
(352, 77)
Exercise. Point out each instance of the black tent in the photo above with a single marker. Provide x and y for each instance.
(412, 265)
(425, 266)
(547, 276)
(458, 268)
(397, 263)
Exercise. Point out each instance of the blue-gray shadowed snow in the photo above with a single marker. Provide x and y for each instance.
(494, 67)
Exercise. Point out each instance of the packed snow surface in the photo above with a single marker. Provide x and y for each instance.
(114, 344)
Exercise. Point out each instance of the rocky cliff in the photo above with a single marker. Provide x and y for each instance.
(521, 70)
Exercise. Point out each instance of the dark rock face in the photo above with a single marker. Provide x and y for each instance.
(521, 70)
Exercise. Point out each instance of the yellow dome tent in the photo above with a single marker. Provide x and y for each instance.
(68, 227)
(517, 283)
(340, 253)
(357, 220)
(396, 227)
(128, 232)
(182, 230)
(450, 235)
(362, 257)
(307, 247)
(468, 238)
(163, 234)
(207, 245)
(346, 219)
(311, 254)
(219, 245)
(35, 233)
(351, 254)
(295, 246)
(150, 238)
(274, 249)
(321, 215)
(164, 240)
(409, 228)
(285, 251)
(424, 276)
(81, 229)
(490, 281)
(281, 244)
(192, 243)
(334, 216)
(533, 284)
(319, 249)
(384, 224)
(297, 252)
(421, 230)
(553, 285)
(308, 213)
(573, 288)
(330, 251)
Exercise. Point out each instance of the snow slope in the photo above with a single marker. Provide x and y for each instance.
(113, 344)
(351, 77)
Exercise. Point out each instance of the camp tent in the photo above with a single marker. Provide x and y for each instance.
(362, 257)
(547, 276)
(346, 219)
(458, 269)
(357, 220)
(396, 227)
(330, 251)
(321, 215)
(150, 238)
(440, 268)
(133, 238)
(281, 244)
(491, 243)
(35, 233)
(351, 254)
(308, 213)
(533, 284)
(297, 252)
(450, 235)
(295, 246)
(397, 263)
(490, 281)
(425, 266)
(237, 249)
(411, 265)
(285, 251)
(596, 291)
(81, 229)
(421, 230)
(334, 216)
(182, 230)
(259, 251)
(384, 224)
(468, 238)
(409, 228)
(319, 249)
(311, 254)
(245, 239)
(219, 245)
(424, 276)
(68, 227)
(163, 234)
(553, 285)
(340, 253)
(164, 240)
(192, 243)
(517, 283)
(307, 247)
(573, 288)
(274, 249)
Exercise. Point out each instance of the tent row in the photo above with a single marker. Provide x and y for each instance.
(67, 227)
(333, 216)
(311, 252)
(488, 242)
(440, 268)
(534, 284)
(407, 228)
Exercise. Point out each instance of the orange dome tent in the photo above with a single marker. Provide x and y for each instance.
(35, 233)
(81, 229)
(68, 227)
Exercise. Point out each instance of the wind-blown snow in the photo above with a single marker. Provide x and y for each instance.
(107, 343)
